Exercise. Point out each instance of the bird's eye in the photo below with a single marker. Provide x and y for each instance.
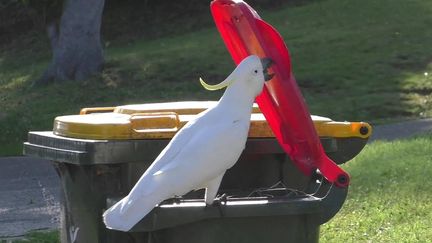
(256, 71)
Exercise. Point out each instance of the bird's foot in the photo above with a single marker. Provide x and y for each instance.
(219, 201)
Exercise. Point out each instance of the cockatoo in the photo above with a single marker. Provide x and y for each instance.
(200, 153)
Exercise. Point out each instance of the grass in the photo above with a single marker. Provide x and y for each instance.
(37, 237)
(389, 198)
(353, 61)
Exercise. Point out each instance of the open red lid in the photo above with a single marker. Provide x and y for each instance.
(281, 102)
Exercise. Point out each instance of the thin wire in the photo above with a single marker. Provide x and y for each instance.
(279, 186)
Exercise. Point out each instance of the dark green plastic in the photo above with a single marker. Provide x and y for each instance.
(96, 173)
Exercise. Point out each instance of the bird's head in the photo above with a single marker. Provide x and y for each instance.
(249, 76)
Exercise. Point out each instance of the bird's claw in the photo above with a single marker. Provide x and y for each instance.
(219, 201)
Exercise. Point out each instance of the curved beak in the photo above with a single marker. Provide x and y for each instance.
(266, 63)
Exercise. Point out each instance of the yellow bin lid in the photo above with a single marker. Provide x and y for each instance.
(163, 120)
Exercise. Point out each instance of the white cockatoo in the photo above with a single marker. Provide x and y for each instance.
(200, 153)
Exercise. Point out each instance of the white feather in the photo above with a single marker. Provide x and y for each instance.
(199, 154)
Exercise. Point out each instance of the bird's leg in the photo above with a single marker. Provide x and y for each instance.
(218, 200)
(212, 189)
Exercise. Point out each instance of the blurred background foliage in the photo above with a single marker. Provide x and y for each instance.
(353, 60)
(123, 20)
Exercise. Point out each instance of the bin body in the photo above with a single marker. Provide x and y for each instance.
(95, 173)
(86, 191)
(294, 228)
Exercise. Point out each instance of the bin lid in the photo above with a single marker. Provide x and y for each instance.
(245, 33)
(163, 120)
(181, 107)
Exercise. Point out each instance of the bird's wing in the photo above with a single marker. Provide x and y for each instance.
(177, 143)
(209, 148)
(203, 153)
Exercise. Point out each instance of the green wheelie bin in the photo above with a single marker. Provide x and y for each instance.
(101, 153)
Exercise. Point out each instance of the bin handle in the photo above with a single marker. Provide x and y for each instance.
(344, 129)
(155, 122)
(85, 111)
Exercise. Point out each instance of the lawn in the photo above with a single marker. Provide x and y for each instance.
(389, 198)
(37, 237)
(354, 60)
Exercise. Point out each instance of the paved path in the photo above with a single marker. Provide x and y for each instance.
(401, 130)
(29, 188)
(29, 196)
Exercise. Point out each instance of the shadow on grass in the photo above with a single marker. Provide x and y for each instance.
(355, 60)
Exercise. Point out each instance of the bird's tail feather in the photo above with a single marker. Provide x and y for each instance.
(127, 212)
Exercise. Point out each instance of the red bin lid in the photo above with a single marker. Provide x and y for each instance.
(281, 102)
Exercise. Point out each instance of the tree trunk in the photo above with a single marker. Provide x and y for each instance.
(76, 43)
